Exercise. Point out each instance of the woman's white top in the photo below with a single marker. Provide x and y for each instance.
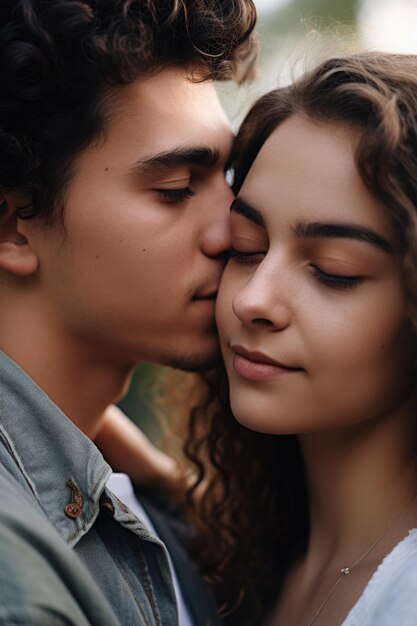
(390, 597)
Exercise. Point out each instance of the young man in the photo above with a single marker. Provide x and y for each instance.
(113, 222)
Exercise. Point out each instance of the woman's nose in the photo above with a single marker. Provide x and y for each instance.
(263, 301)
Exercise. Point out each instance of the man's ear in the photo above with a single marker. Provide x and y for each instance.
(16, 254)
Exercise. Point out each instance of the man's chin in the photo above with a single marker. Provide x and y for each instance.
(195, 362)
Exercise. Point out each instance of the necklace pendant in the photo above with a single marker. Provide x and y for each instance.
(345, 571)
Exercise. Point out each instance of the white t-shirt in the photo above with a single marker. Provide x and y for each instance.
(121, 486)
(390, 597)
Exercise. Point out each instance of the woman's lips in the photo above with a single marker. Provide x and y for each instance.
(258, 366)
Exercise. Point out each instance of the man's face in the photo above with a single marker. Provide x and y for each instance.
(135, 274)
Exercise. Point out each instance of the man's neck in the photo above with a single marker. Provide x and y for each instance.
(81, 384)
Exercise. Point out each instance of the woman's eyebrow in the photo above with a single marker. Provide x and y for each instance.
(316, 230)
(242, 207)
(345, 230)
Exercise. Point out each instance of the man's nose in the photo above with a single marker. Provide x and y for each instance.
(215, 239)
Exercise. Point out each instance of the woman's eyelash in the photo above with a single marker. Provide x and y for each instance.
(333, 281)
(245, 257)
(172, 196)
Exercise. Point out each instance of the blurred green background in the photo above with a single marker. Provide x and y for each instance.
(294, 35)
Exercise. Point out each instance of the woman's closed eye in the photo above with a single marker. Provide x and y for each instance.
(327, 279)
(335, 281)
(246, 257)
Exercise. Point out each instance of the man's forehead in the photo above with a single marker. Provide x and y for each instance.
(169, 89)
(165, 125)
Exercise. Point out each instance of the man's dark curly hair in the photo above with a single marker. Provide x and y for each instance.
(59, 59)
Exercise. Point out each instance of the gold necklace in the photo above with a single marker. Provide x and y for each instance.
(345, 571)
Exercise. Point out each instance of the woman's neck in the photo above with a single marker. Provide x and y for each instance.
(358, 482)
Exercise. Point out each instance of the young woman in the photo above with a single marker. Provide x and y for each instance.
(313, 517)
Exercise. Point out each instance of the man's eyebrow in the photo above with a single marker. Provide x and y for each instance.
(200, 156)
(242, 207)
(349, 231)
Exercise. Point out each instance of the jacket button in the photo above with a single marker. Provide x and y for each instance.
(72, 510)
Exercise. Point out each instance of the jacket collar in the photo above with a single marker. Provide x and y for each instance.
(62, 467)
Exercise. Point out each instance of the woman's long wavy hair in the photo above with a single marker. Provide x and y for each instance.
(253, 516)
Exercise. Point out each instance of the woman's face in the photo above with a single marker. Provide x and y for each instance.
(311, 311)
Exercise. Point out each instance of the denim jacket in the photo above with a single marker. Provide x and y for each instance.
(70, 552)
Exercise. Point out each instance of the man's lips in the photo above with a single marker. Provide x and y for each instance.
(255, 365)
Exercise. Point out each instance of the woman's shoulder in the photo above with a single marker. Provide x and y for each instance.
(390, 597)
